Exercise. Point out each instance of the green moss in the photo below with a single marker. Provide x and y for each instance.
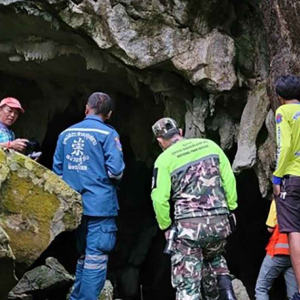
(24, 162)
(30, 196)
(30, 211)
(2, 157)
(69, 220)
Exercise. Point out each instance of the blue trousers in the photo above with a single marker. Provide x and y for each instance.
(270, 270)
(96, 237)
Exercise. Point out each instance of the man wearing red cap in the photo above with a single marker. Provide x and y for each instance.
(10, 109)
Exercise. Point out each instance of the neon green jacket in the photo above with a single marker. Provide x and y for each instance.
(288, 141)
(198, 175)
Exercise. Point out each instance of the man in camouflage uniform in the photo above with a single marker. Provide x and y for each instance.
(197, 176)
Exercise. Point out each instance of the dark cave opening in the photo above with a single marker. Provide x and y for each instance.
(53, 92)
(137, 266)
(135, 260)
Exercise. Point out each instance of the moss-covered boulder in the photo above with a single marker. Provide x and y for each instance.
(35, 206)
(42, 281)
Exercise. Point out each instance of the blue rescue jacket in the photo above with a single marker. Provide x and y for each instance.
(89, 157)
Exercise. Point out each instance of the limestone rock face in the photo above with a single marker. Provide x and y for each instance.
(281, 21)
(252, 120)
(240, 290)
(42, 280)
(209, 62)
(267, 157)
(196, 114)
(141, 33)
(224, 123)
(35, 206)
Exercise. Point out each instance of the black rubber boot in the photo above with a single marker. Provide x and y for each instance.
(225, 288)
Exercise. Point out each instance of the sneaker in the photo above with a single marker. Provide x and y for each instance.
(296, 296)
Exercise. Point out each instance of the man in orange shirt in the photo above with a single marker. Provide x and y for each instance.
(277, 261)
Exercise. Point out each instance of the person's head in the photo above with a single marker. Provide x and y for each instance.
(287, 88)
(10, 109)
(100, 104)
(166, 131)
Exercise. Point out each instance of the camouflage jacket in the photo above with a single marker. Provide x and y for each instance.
(197, 176)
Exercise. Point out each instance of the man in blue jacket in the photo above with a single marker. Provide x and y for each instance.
(89, 158)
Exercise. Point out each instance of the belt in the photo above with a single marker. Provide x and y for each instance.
(202, 220)
(290, 176)
(291, 179)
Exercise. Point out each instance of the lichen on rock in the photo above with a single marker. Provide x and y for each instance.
(42, 280)
(35, 206)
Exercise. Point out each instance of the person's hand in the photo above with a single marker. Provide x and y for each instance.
(276, 189)
(167, 233)
(19, 144)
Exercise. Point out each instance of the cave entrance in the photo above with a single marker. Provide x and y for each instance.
(52, 69)
(137, 267)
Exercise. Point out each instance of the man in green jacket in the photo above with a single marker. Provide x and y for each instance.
(286, 178)
(196, 176)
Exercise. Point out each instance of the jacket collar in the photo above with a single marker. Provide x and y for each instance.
(175, 141)
(3, 126)
(93, 117)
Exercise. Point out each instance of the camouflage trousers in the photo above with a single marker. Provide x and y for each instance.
(198, 257)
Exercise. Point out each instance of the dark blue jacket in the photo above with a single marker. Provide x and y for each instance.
(89, 157)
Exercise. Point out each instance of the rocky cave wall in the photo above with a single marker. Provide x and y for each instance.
(208, 64)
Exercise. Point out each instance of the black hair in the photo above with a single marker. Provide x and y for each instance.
(288, 87)
(100, 103)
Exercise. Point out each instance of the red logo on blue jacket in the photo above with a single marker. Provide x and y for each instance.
(278, 118)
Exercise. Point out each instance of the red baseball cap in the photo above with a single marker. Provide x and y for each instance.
(13, 103)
